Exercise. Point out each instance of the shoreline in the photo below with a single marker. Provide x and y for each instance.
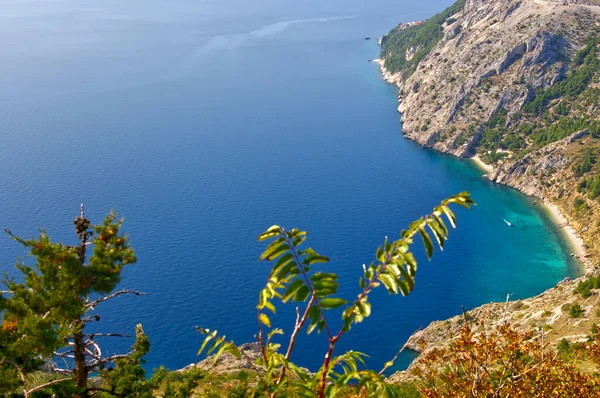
(561, 221)
(481, 164)
(390, 78)
(574, 240)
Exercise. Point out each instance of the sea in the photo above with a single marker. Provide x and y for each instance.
(203, 123)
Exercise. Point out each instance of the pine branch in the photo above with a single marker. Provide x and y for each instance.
(67, 354)
(62, 371)
(94, 335)
(104, 361)
(50, 383)
(100, 389)
(92, 304)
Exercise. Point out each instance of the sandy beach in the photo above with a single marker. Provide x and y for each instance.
(481, 164)
(573, 237)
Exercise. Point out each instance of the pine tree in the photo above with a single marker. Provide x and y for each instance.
(44, 317)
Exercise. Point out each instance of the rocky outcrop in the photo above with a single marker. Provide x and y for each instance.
(229, 364)
(546, 49)
(546, 313)
(493, 53)
(511, 57)
(539, 172)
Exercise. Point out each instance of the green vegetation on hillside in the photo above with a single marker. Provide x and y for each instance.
(585, 65)
(585, 162)
(590, 185)
(422, 38)
(552, 114)
(585, 287)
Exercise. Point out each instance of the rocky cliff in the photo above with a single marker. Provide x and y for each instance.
(517, 83)
(548, 313)
(493, 54)
(506, 80)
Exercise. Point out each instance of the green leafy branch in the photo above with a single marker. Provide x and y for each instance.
(291, 279)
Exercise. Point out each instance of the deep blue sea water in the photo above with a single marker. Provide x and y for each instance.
(205, 122)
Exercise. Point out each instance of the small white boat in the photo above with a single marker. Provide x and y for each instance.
(507, 222)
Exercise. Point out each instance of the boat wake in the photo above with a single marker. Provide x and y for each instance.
(232, 41)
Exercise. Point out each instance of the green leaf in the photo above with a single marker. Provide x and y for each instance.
(393, 268)
(273, 231)
(389, 282)
(427, 242)
(325, 287)
(273, 247)
(211, 335)
(365, 308)
(265, 320)
(380, 254)
(302, 294)
(292, 289)
(314, 314)
(450, 215)
(286, 269)
(437, 232)
(403, 285)
(268, 305)
(441, 224)
(332, 302)
(273, 332)
(282, 261)
(278, 252)
(298, 240)
(225, 347)
(262, 299)
(312, 259)
(408, 278)
(323, 276)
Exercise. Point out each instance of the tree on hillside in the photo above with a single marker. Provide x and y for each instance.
(44, 317)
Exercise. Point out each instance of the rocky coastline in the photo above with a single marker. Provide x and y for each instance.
(492, 55)
(560, 218)
(436, 124)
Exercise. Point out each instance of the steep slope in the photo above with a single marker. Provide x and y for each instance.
(516, 83)
(507, 80)
(548, 313)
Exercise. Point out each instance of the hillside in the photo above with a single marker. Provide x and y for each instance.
(509, 81)
(516, 84)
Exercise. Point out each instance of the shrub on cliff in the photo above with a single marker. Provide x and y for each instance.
(585, 162)
(502, 362)
(584, 287)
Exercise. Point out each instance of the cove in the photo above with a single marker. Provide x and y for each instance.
(202, 133)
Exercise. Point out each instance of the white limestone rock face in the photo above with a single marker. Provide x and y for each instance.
(495, 54)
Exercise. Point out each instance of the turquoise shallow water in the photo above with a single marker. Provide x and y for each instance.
(205, 123)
